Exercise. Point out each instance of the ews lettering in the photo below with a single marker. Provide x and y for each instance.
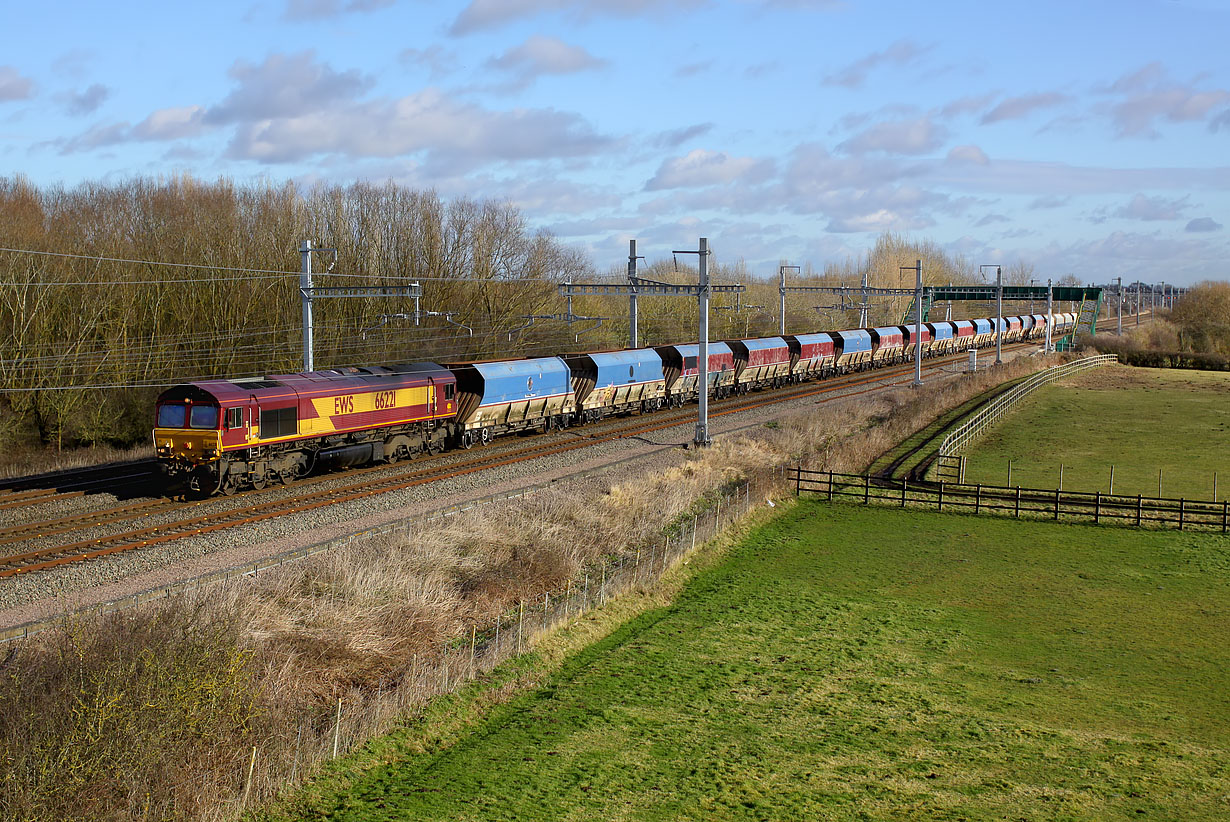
(343, 405)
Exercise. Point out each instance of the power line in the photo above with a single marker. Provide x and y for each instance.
(280, 275)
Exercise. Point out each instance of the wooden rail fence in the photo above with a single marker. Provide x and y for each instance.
(1015, 501)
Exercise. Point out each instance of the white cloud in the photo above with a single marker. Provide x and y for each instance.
(701, 167)
(917, 136)
(298, 10)
(1049, 202)
(1149, 95)
(544, 55)
(679, 136)
(171, 124)
(1054, 181)
(968, 154)
(901, 53)
(879, 221)
(426, 121)
(693, 69)
(1015, 108)
(967, 105)
(87, 101)
(1201, 224)
(1141, 207)
(13, 86)
(285, 85)
(488, 14)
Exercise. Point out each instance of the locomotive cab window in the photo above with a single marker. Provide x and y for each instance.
(203, 416)
(234, 418)
(449, 390)
(172, 415)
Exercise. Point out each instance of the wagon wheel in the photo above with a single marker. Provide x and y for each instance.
(467, 439)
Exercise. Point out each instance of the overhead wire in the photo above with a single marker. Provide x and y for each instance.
(278, 274)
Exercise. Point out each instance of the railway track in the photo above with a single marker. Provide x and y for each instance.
(36, 490)
(257, 506)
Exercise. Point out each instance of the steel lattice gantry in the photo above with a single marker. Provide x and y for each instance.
(640, 286)
(650, 288)
(938, 293)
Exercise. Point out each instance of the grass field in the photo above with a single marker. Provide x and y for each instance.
(863, 663)
(1138, 419)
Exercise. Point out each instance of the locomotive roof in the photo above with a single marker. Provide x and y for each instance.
(307, 383)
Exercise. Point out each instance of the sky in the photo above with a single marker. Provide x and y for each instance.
(1083, 137)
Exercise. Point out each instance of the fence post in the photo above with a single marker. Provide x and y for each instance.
(798, 480)
(521, 622)
(337, 727)
(830, 486)
(1018, 502)
(904, 483)
(940, 505)
(1225, 509)
(866, 489)
(1097, 507)
(1057, 504)
(1139, 505)
(961, 470)
(1180, 513)
(977, 497)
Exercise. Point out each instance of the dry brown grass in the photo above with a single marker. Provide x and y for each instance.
(377, 628)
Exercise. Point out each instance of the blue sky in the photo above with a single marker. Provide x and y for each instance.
(1088, 137)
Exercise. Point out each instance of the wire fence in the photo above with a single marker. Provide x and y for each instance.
(1014, 501)
(948, 463)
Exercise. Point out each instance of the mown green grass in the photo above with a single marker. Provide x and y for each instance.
(1137, 419)
(865, 663)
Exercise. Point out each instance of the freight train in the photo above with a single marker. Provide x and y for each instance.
(222, 436)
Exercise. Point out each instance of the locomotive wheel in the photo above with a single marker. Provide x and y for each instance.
(258, 481)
